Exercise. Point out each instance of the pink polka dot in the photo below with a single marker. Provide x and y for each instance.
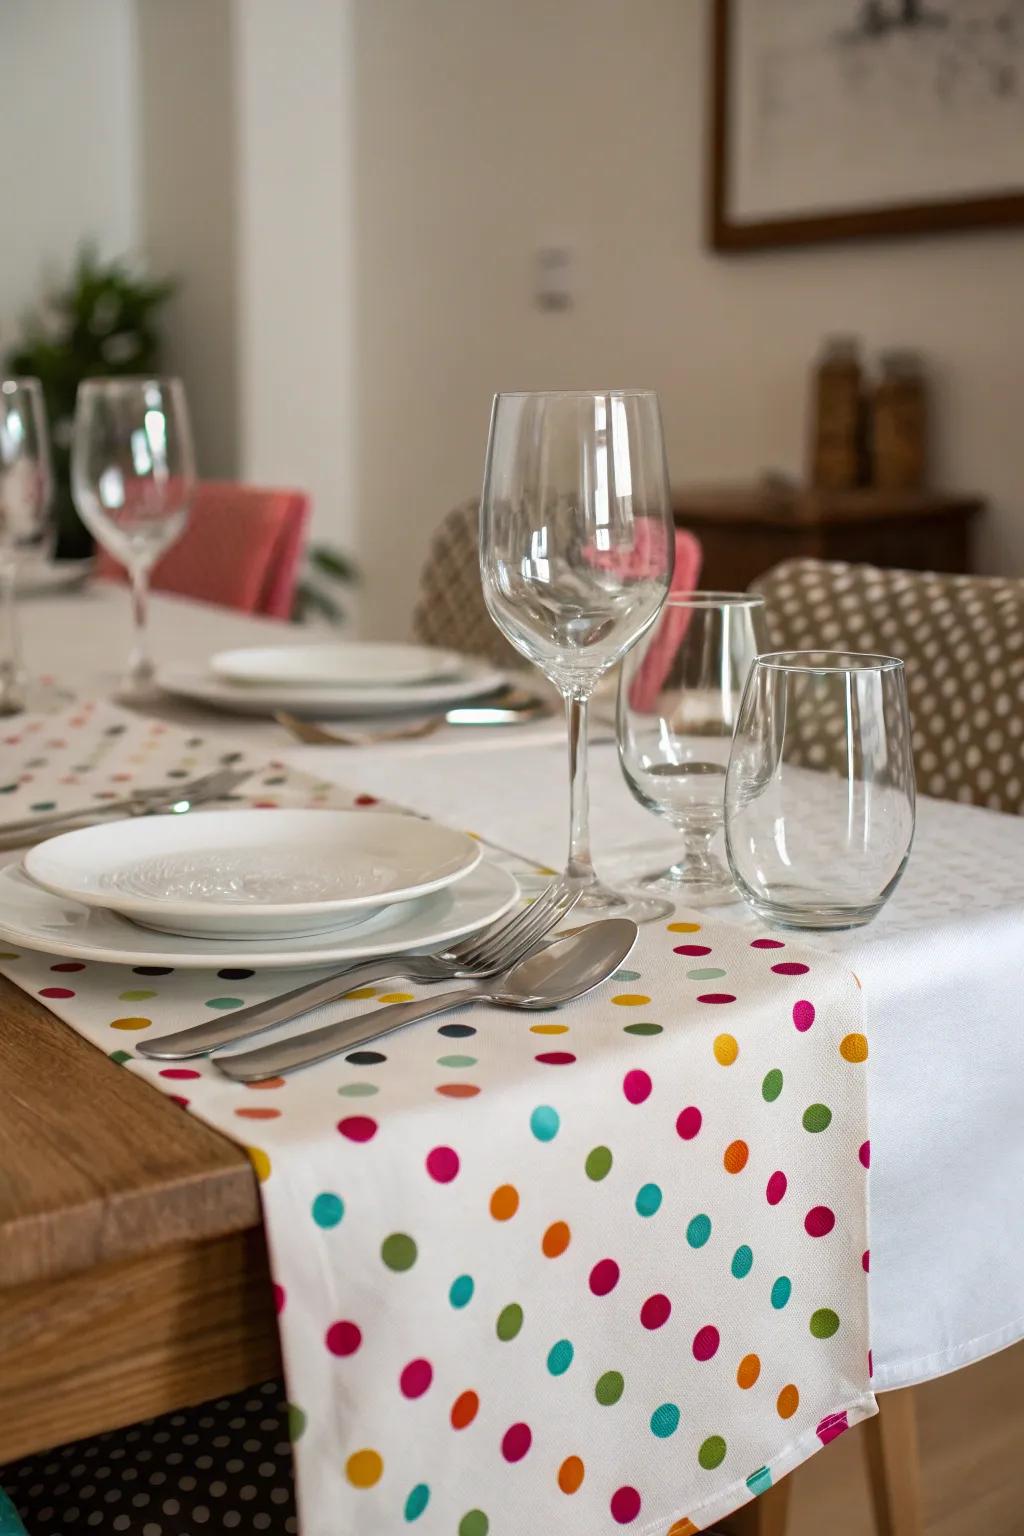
(693, 949)
(790, 968)
(871, 1364)
(416, 1378)
(656, 1311)
(604, 1277)
(832, 1427)
(69, 965)
(176, 1098)
(625, 1505)
(777, 1186)
(819, 1221)
(556, 1058)
(443, 1164)
(179, 1072)
(803, 1015)
(367, 800)
(865, 1154)
(688, 1122)
(636, 1085)
(865, 1261)
(767, 944)
(705, 1344)
(56, 992)
(343, 1338)
(278, 1298)
(516, 1441)
(716, 997)
(358, 1127)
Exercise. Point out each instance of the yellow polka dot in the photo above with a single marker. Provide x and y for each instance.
(726, 1050)
(130, 1023)
(361, 992)
(542, 869)
(392, 997)
(260, 1161)
(631, 999)
(549, 1029)
(854, 1048)
(364, 1468)
(683, 927)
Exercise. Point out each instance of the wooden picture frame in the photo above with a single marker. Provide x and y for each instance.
(729, 234)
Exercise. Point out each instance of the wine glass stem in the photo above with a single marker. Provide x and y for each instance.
(580, 866)
(140, 665)
(12, 695)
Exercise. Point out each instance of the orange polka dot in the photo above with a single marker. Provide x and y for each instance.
(267, 1082)
(549, 1029)
(464, 1409)
(132, 1023)
(726, 1050)
(748, 1371)
(364, 1468)
(630, 999)
(683, 927)
(683, 1528)
(556, 1239)
(457, 1090)
(570, 1474)
(260, 1161)
(854, 1048)
(788, 1402)
(736, 1154)
(504, 1202)
(258, 1114)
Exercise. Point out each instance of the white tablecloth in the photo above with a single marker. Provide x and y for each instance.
(942, 968)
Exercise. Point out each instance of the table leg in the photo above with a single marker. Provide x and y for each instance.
(894, 1468)
(763, 1516)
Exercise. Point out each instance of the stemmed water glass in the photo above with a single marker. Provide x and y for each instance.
(26, 493)
(679, 695)
(132, 479)
(576, 556)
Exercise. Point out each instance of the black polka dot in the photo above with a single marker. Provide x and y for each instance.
(152, 970)
(456, 1031)
(366, 1058)
(235, 973)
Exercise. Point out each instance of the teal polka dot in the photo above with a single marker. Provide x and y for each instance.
(328, 1209)
(760, 1481)
(358, 1090)
(648, 1199)
(544, 1122)
(742, 1262)
(460, 1293)
(417, 1502)
(665, 1421)
(223, 1002)
(772, 1086)
(642, 1029)
(43, 805)
(625, 976)
(782, 1290)
(560, 1357)
(456, 1061)
(817, 1117)
(706, 973)
(698, 1232)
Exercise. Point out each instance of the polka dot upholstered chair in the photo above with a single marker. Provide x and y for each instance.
(962, 640)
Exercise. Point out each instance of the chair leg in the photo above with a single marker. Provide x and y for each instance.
(763, 1516)
(894, 1468)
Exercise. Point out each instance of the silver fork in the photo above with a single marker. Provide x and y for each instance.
(477, 957)
(143, 802)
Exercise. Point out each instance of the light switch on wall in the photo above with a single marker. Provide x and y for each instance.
(553, 276)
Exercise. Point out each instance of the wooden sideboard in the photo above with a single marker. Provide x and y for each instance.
(746, 530)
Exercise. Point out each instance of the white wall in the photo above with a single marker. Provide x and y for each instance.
(68, 129)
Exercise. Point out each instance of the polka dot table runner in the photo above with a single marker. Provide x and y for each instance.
(594, 1270)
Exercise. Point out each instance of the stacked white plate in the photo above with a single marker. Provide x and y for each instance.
(335, 680)
(261, 888)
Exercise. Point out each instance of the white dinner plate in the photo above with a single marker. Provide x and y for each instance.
(37, 919)
(249, 874)
(476, 680)
(338, 664)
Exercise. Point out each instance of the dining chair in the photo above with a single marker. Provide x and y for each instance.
(450, 609)
(961, 639)
(240, 549)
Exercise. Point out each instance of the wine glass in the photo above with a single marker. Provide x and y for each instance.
(576, 556)
(132, 479)
(26, 493)
(819, 795)
(679, 695)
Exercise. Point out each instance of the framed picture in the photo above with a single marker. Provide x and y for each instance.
(832, 119)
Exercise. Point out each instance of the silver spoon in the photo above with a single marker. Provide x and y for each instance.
(545, 979)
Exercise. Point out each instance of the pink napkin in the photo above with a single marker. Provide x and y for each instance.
(671, 626)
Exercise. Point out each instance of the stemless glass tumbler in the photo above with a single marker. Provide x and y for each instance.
(679, 695)
(576, 556)
(819, 796)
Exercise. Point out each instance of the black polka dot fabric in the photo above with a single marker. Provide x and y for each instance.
(223, 1466)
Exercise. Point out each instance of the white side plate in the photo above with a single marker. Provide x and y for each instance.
(476, 680)
(340, 664)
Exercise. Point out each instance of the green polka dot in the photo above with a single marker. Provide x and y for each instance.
(782, 1290)
(706, 973)
(648, 1200)
(223, 1002)
(136, 995)
(698, 1232)
(456, 1061)
(772, 1085)
(417, 1501)
(460, 1293)
(120, 1056)
(665, 1421)
(642, 1029)
(824, 1323)
(398, 1251)
(599, 1163)
(328, 1209)
(44, 805)
(817, 1117)
(560, 1357)
(296, 1422)
(358, 1090)
(742, 1262)
(712, 1453)
(475, 1523)
(609, 1388)
(8, 954)
(510, 1320)
(544, 1122)
(625, 976)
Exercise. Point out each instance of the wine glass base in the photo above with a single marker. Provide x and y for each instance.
(600, 900)
(39, 696)
(691, 893)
